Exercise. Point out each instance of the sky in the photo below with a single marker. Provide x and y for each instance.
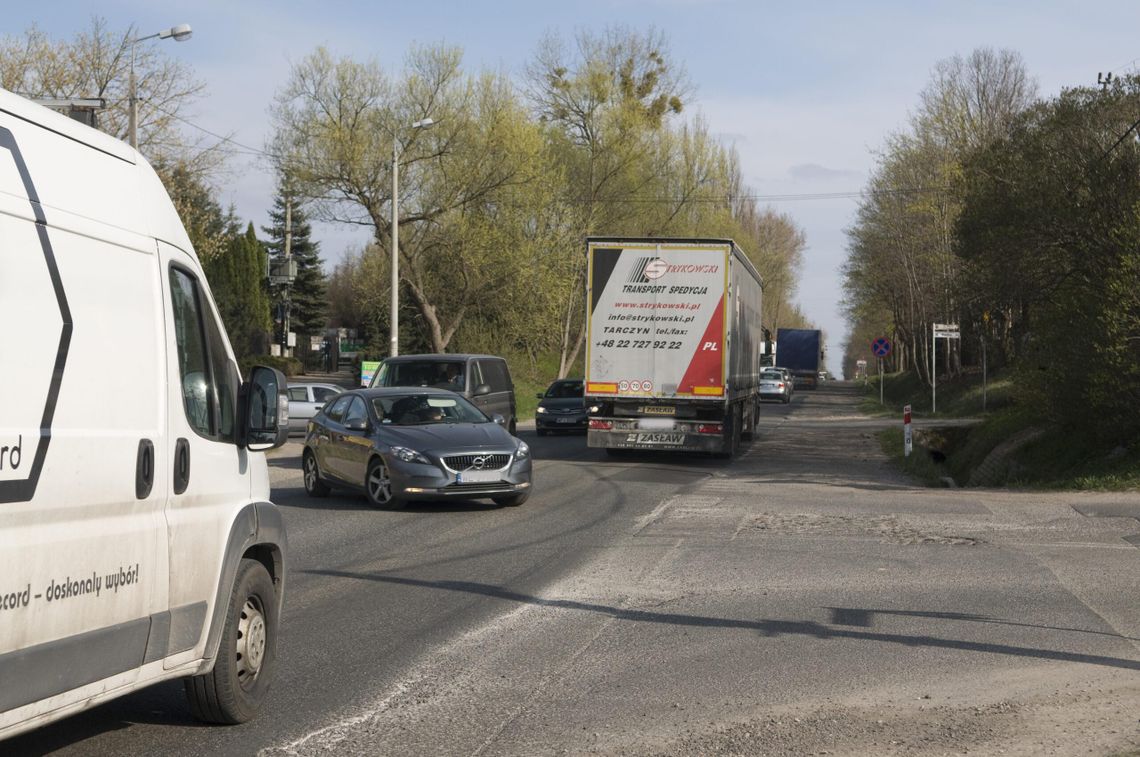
(806, 92)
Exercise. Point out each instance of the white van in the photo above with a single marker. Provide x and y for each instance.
(137, 540)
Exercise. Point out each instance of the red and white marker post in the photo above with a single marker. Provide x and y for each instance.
(908, 440)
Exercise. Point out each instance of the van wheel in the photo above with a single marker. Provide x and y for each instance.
(378, 486)
(314, 486)
(247, 656)
(512, 501)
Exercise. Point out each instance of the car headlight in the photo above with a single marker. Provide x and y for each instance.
(540, 410)
(594, 409)
(409, 455)
(523, 451)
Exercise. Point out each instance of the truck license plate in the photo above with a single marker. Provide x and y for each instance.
(643, 438)
(477, 476)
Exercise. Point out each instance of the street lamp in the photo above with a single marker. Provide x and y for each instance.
(394, 318)
(179, 33)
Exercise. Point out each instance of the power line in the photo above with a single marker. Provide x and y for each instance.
(245, 149)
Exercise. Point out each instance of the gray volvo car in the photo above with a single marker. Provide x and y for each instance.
(403, 444)
(484, 380)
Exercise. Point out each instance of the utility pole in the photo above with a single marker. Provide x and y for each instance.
(288, 267)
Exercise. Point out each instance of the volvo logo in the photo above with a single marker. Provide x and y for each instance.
(478, 463)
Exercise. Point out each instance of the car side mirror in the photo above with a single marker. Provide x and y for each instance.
(499, 419)
(482, 389)
(265, 409)
(538, 396)
(356, 424)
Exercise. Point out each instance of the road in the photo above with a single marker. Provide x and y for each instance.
(803, 598)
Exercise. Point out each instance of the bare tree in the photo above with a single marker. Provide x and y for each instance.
(96, 63)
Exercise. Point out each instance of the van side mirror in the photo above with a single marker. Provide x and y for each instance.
(265, 409)
(481, 390)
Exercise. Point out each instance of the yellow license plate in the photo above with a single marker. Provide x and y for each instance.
(657, 410)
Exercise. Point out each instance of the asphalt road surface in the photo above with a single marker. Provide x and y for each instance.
(803, 598)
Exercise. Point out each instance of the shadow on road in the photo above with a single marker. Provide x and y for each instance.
(766, 628)
(864, 618)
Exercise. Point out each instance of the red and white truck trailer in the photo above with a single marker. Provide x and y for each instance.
(674, 344)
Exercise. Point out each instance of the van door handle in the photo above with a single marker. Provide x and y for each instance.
(181, 466)
(144, 469)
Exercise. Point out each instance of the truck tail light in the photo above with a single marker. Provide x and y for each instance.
(600, 425)
(710, 428)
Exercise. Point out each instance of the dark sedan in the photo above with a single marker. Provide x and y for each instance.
(402, 444)
(562, 407)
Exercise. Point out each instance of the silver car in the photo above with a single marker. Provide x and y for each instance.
(776, 384)
(306, 400)
(402, 444)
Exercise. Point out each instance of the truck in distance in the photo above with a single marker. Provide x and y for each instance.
(801, 352)
(674, 344)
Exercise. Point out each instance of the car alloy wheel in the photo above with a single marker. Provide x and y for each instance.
(378, 485)
(314, 486)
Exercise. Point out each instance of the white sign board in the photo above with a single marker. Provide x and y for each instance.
(657, 321)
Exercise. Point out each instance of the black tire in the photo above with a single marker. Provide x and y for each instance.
(731, 436)
(233, 691)
(513, 500)
(380, 494)
(746, 435)
(314, 486)
(540, 431)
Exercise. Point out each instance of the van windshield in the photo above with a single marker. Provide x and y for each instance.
(443, 374)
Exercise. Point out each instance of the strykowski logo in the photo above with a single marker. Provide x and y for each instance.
(647, 270)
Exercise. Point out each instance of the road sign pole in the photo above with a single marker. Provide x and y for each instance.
(908, 439)
(984, 377)
(933, 370)
(880, 381)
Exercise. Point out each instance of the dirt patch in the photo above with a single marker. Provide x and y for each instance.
(887, 529)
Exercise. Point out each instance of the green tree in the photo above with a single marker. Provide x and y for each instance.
(902, 273)
(606, 100)
(237, 281)
(1050, 236)
(335, 123)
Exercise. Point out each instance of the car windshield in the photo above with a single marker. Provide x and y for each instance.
(566, 390)
(443, 374)
(771, 375)
(425, 410)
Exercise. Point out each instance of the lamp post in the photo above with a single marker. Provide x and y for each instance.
(179, 33)
(394, 317)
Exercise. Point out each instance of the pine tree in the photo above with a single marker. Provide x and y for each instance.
(308, 310)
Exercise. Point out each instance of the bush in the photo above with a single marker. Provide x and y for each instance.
(290, 366)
